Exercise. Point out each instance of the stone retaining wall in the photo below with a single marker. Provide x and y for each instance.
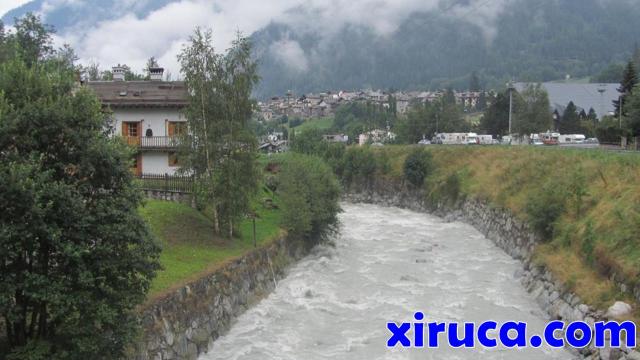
(184, 323)
(516, 239)
(170, 196)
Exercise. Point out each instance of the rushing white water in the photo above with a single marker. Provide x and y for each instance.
(386, 264)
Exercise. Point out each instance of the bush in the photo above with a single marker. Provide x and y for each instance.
(417, 166)
(545, 206)
(309, 194)
(359, 165)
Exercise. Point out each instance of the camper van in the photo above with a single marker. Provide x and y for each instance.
(550, 138)
(456, 138)
(572, 139)
(486, 140)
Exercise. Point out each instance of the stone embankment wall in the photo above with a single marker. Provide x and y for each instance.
(185, 323)
(515, 238)
(170, 196)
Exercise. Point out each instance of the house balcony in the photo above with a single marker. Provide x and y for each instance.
(153, 142)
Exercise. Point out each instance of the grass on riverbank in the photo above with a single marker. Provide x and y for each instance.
(189, 246)
(587, 202)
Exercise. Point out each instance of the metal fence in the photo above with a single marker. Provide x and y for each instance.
(166, 182)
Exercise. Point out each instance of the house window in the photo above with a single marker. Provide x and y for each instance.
(173, 159)
(175, 128)
(130, 129)
(149, 133)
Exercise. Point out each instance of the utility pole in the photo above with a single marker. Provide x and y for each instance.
(510, 88)
(620, 115)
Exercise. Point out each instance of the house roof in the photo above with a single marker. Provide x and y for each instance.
(141, 93)
(585, 96)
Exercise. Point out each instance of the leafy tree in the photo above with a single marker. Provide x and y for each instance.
(309, 142)
(418, 122)
(449, 114)
(495, 120)
(629, 81)
(534, 115)
(92, 71)
(76, 258)
(309, 193)
(32, 39)
(609, 131)
(220, 148)
(570, 120)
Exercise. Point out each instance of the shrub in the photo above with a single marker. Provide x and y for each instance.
(417, 166)
(545, 206)
(309, 194)
(359, 165)
(452, 186)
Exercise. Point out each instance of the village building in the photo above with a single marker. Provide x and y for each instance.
(148, 115)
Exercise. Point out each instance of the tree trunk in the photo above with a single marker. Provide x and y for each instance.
(216, 221)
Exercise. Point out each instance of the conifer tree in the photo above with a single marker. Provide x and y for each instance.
(629, 81)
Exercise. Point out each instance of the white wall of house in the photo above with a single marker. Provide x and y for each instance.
(151, 118)
(155, 162)
(156, 119)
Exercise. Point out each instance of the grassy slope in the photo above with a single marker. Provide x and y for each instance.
(507, 176)
(189, 247)
(324, 123)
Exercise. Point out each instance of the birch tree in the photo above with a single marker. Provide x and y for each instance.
(219, 149)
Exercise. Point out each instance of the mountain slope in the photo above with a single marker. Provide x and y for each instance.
(535, 40)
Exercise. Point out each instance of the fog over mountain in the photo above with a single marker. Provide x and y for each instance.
(323, 44)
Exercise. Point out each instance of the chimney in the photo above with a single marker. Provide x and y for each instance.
(155, 73)
(118, 73)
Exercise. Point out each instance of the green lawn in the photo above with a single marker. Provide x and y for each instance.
(189, 247)
(324, 123)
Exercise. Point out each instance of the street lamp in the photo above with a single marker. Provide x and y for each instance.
(602, 89)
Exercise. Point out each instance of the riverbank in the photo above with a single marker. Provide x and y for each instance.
(582, 204)
(512, 235)
(207, 281)
(190, 249)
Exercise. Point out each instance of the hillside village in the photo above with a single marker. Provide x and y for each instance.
(325, 103)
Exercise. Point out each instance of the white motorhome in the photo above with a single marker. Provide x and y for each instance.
(456, 138)
(486, 140)
(572, 139)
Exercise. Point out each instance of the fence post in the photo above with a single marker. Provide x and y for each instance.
(166, 182)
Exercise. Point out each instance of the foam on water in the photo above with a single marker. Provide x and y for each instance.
(385, 264)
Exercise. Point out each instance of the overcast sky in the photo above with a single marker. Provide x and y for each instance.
(6, 5)
(162, 33)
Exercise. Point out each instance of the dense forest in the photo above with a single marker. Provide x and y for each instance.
(535, 40)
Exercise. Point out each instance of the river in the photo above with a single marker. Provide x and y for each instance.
(384, 265)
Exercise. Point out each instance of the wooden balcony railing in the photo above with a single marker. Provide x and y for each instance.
(153, 142)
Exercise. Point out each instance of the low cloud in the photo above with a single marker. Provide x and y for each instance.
(132, 39)
(291, 54)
